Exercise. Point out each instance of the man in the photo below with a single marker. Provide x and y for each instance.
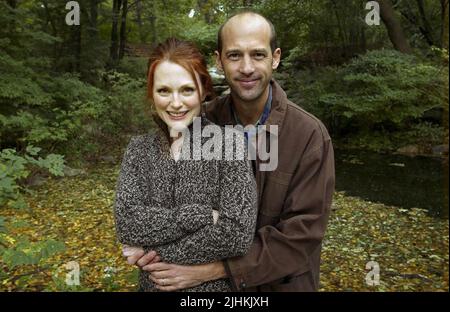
(294, 199)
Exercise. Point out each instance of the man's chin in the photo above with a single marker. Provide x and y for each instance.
(249, 96)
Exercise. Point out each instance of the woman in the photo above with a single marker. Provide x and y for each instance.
(189, 211)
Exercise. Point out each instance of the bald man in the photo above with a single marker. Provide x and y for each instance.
(294, 198)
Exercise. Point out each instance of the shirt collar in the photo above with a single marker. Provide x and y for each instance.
(265, 114)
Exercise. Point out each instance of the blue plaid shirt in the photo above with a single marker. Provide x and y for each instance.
(262, 119)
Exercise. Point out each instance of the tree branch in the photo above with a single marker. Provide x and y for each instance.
(38, 270)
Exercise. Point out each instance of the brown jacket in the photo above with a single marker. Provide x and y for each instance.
(294, 201)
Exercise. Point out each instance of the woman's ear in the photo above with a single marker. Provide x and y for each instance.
(203, 96)
(151, 104)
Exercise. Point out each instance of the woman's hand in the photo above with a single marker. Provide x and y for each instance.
(172, 277)
(215, 216)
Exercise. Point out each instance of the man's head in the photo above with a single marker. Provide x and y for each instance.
(273, 34)
(248, 55)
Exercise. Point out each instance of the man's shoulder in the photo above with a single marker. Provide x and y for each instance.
(213, 105)
(216, 111)
(298, 119)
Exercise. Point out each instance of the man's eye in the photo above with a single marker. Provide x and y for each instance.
(233, 56)
(259, 56)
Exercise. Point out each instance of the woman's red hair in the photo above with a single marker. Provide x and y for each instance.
(186, 55)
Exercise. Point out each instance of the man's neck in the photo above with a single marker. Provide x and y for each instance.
(249, 112)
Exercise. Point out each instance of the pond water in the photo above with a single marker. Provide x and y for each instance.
(395, 180)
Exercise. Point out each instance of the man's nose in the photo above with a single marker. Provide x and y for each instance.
(247, 67)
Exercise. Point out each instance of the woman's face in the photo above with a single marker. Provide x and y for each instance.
(177, 100)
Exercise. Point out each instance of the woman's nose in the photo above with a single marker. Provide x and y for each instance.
(176, 101)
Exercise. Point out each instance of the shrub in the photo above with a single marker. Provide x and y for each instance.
(378, 101)
(14, 169)
(385, 87)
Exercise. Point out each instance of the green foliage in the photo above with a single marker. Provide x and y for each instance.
(15, 168)
(29, 253)
(59, 284)
(204, 36)
(2, 225)
(127, 106)
(135, 67)
(385, 86)
(426, 135)
(18, 251)
(377, 101)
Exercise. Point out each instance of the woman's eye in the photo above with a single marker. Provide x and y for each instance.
(162, 91)
(188, 91)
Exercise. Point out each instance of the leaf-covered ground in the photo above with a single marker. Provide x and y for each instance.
(409, 248)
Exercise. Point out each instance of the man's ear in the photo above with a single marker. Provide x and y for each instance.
(218, 61)
(276, 57)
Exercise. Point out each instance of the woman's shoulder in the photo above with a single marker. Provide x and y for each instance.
(141, 143)
(137, 141)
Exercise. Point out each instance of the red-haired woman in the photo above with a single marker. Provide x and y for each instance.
(170, 198)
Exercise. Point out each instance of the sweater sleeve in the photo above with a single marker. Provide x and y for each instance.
(233, 233)
(141, 221)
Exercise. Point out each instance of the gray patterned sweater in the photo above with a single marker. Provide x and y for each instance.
(166, 205)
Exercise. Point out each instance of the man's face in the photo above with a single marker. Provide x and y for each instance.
(246, 58)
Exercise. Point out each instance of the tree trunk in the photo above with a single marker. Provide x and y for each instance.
(49, 18)
(114, 31)
(393, 27)
(93, 30)
(444, 29)
(247, 3)
(139, 21)
(12, 3)
(341, 30)
(77, 48)
(152, 18)
(123, 29)
(205, 10)
(426, 28)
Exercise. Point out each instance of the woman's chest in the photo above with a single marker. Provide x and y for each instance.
(184, 181)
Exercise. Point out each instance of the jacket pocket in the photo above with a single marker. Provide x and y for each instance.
(275, 192)
(300, 283)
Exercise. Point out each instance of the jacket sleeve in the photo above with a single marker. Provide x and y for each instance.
(285, 248)
(140, 221)
(233, 233)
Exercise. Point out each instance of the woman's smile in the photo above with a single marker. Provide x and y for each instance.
(177, 115)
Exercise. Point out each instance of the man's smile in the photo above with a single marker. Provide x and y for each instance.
(248, 83)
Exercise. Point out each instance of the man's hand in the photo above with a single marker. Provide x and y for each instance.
(137, 255)
(172, 277)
